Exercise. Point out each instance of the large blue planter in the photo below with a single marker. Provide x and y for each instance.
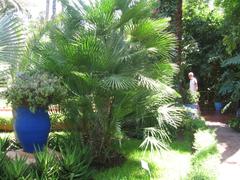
(218, 106)
(32, 129)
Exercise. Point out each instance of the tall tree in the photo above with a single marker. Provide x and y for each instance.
(47, 9)
(54, 8)
(178, 25)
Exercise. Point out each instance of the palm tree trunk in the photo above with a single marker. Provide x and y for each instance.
(47, 9)
(179, 31)
(54, 8)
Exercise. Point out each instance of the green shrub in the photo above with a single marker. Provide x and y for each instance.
(55, 140)
(47, 165)
(206, 157)
(235, 124)
(57, 121)
(204, 139)
(75, 162)
(16, 169)
(6, 120)
(203, 154)
(76, 158)
(193, 125)
(191, 97)
(204, 165)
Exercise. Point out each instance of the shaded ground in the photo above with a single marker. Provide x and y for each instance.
(228, 145)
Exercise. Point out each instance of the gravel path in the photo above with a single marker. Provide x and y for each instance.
(229, 147)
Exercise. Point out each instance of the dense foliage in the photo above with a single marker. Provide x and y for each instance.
(231, 24)
(203, 49)
(235, 124)
(230, 83)
(114, 59)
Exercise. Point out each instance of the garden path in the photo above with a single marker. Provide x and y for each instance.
(228, 145)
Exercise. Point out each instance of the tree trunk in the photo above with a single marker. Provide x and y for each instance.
(179, 31)
(47, 9)
(54, 9)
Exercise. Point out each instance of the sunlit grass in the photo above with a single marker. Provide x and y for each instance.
(172, 164)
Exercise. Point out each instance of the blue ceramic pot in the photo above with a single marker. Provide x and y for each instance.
(32, 129)
(218, 106)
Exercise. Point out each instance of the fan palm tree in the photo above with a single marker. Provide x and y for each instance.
(113, 58)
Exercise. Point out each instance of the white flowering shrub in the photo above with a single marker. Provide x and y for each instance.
(35, 90)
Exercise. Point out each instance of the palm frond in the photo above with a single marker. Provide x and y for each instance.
(164, 72)
(155, 85)
(118, 82)
(152, 34)
(156, 139)
(232, 61)
(10, 5)
(12, 40)
(132, 11)
(170, 115)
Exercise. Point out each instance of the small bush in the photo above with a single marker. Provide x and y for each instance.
(47, 165)
(204, 139)
(17, 169)
(75, 163)
(76, 158)
(235, 124)
(193, 125)
(190, 97)
(6, 120)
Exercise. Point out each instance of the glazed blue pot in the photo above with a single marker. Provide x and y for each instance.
(32, 129)
(218, 106)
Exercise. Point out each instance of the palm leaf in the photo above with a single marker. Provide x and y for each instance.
(118, 82)
(232, 61)
(12, 40)
(152, 34)
(155, 85)
(155, 139)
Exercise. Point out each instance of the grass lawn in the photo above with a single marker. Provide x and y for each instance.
(170, 165)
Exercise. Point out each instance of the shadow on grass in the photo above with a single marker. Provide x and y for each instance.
(161, 166)
(131, 169)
